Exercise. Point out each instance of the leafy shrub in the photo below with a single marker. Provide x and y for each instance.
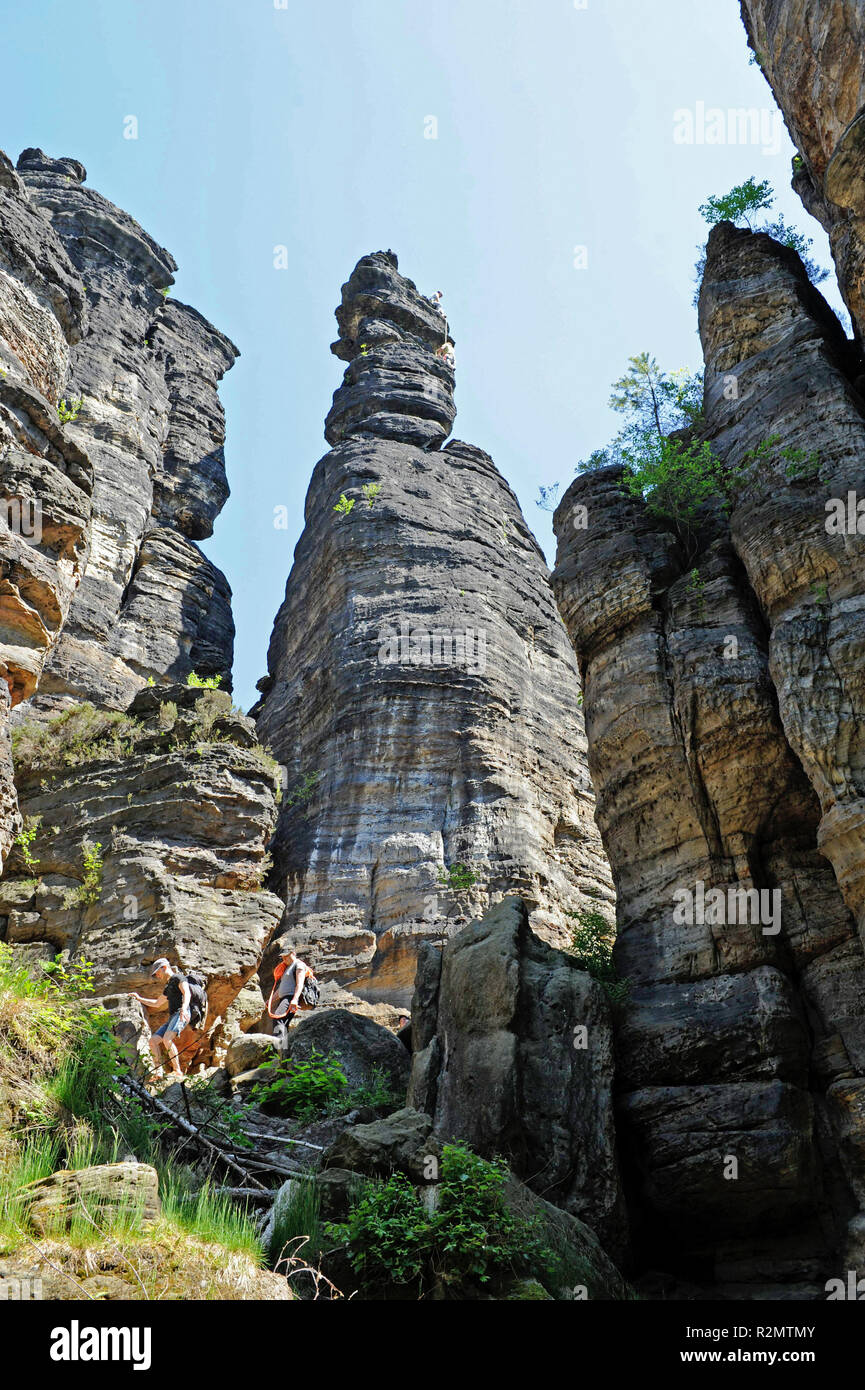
(458, 878)
(370, 492)
(211, 707)
(303, 791)
(24, 839)
(203, 682)
(676, 479)
(377, 1093)
(344, 505)
(302, 1089)
(741, 204)
(592, 944)
(468, 1241)
(89, 891)
(78, 735)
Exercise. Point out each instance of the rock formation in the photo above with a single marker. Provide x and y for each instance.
(144, 832)
(513, 1054)
(811, 55)
(421, 688)
(45, 474)
(722, 691)
(150, 603)
(179, 802)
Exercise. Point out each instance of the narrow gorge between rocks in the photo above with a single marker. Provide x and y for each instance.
(464, 776)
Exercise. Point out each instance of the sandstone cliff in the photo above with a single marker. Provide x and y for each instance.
(150, 603)
(722, 694)
(810, 52)
(46, 476)
(421, 689)
(146, 805)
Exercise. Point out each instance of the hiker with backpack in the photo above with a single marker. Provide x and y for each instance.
(294, 987)
(185, 997)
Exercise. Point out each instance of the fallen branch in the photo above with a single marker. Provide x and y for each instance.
(240, 1194)
(247, 1179)
(278, 1139)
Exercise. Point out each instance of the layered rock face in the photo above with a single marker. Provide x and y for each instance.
(513, 1054)
(144, 833)
(421, 687)
(179, 802)
(145, 372)
(709, 681)
(811, 54)
(45, 474)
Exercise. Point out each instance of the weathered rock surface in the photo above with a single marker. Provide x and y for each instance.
(707, 728)
(365, 1049)
(513, 1054)
(45, 475)
(181, 802)
(811, 55)
(421, 688)
(109, 1190)
(403, 1143)
(145, 370)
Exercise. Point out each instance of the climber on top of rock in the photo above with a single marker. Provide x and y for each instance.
(436, 301)
(176, 996)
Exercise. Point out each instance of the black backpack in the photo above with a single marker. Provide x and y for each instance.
(310, 994)
(198, 1004)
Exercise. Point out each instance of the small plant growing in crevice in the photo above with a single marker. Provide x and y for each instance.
(697, 588)
(302, 793)
(24, 839)
(89, 890)
(69, 410)
(800, 465)
(371, 492)
(592, 945)
(458, 878)
(344, 505)
(203, 682)
(167, 717)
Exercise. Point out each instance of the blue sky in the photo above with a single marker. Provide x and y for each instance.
(304, 126)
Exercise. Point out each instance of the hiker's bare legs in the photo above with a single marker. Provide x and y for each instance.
(171, 1049)
(155, 1045)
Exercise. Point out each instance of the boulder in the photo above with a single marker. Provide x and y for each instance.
(108, 1190)
(397, 1143)
(514, 1055)
(364, 1047)
(249, 1051)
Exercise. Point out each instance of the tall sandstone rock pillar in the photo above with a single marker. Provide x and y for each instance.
(421, 689)
(709, 681)
(110, 426)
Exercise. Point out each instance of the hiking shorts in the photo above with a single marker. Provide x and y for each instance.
(172, 1026)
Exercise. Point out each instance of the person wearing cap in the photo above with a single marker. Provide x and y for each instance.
(174, 997)
(289, 979)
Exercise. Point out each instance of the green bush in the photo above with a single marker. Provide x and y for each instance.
(203, 682)
(302, 1089)
(78, 735)
(592, 944)
(469, 1241)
